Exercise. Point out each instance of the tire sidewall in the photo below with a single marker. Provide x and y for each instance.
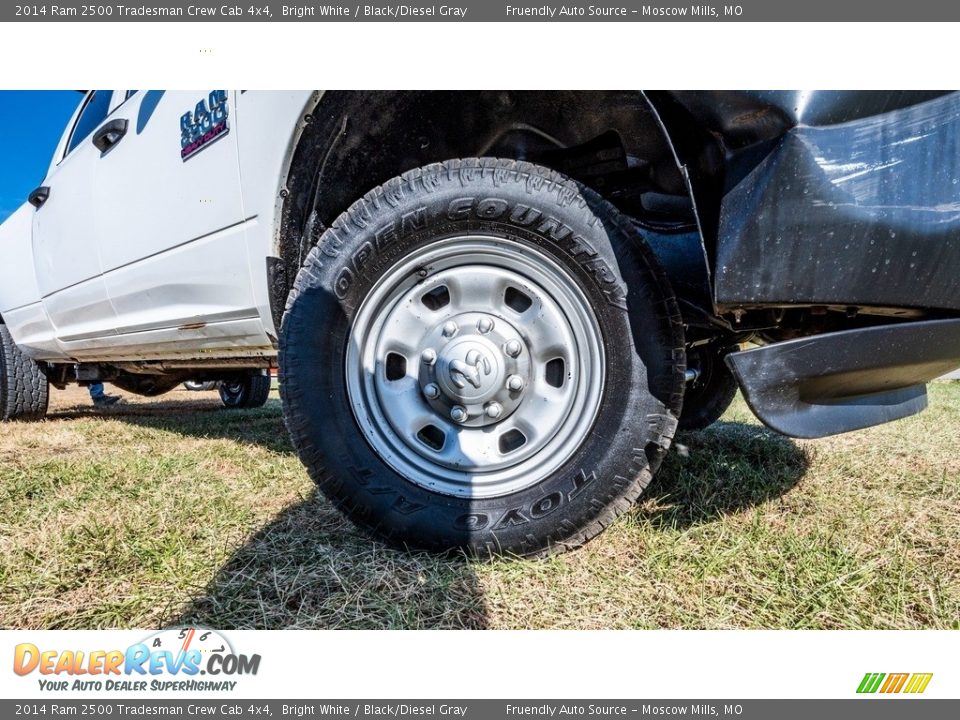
(633, 308)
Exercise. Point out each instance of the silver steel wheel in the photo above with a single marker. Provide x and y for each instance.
(475, 367)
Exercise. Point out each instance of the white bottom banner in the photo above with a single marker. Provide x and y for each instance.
(199, 662)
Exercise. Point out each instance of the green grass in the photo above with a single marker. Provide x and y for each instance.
(174, 511)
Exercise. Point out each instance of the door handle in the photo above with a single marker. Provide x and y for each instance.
(109, 135)
(39, 196)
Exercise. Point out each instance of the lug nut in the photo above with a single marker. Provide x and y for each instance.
(450, 329)
(431, 391)
(429, 356)
(484, 325)
(512, 348)
(515, 383)
(494, 410)
(458, 413)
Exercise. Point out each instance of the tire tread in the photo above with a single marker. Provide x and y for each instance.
(24, 388)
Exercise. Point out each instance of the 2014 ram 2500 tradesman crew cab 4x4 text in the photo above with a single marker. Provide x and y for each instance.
(492, 311)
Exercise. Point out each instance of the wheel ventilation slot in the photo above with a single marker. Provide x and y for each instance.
(555, 372)
(516, 300)
(396, 366)
(512, 440)
(437, 298)
(432, 437)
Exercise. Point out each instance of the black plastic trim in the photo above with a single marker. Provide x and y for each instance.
(833, 383)
(278, 287)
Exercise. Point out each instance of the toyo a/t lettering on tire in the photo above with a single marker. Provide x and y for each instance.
(482, 355)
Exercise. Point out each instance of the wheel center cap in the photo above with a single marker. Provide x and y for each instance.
(469, 370)
(473, 369)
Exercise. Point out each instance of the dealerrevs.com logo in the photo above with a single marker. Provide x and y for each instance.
(181, 659)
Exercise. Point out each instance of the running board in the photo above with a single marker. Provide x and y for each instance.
(834, 383)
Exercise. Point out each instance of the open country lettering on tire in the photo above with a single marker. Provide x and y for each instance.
(492, 311)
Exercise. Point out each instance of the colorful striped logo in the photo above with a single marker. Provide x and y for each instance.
(894, 683)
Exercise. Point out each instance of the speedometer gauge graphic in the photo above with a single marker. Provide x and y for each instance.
(181, 640)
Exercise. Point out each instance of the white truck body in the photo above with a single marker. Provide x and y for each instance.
(139, 254)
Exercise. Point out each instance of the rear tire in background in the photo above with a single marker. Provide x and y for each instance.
(482, 355)
(200, 385)
(707, 398)
(250, 391)
(24, 388)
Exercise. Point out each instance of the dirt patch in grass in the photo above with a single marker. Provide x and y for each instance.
(175, 511)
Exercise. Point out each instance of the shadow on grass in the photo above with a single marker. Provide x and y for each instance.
(310, 568)
(197, 416)
(727, 468)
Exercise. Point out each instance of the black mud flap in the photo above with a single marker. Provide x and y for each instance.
(833, 383)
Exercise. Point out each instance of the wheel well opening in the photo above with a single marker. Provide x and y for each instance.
(354, 141)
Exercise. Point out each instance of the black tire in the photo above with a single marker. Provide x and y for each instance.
(24, 388)
(251, 391)
(707, 398)
(635, 309)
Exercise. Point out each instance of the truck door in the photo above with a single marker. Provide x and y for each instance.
(65, 249)
(171, 226)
